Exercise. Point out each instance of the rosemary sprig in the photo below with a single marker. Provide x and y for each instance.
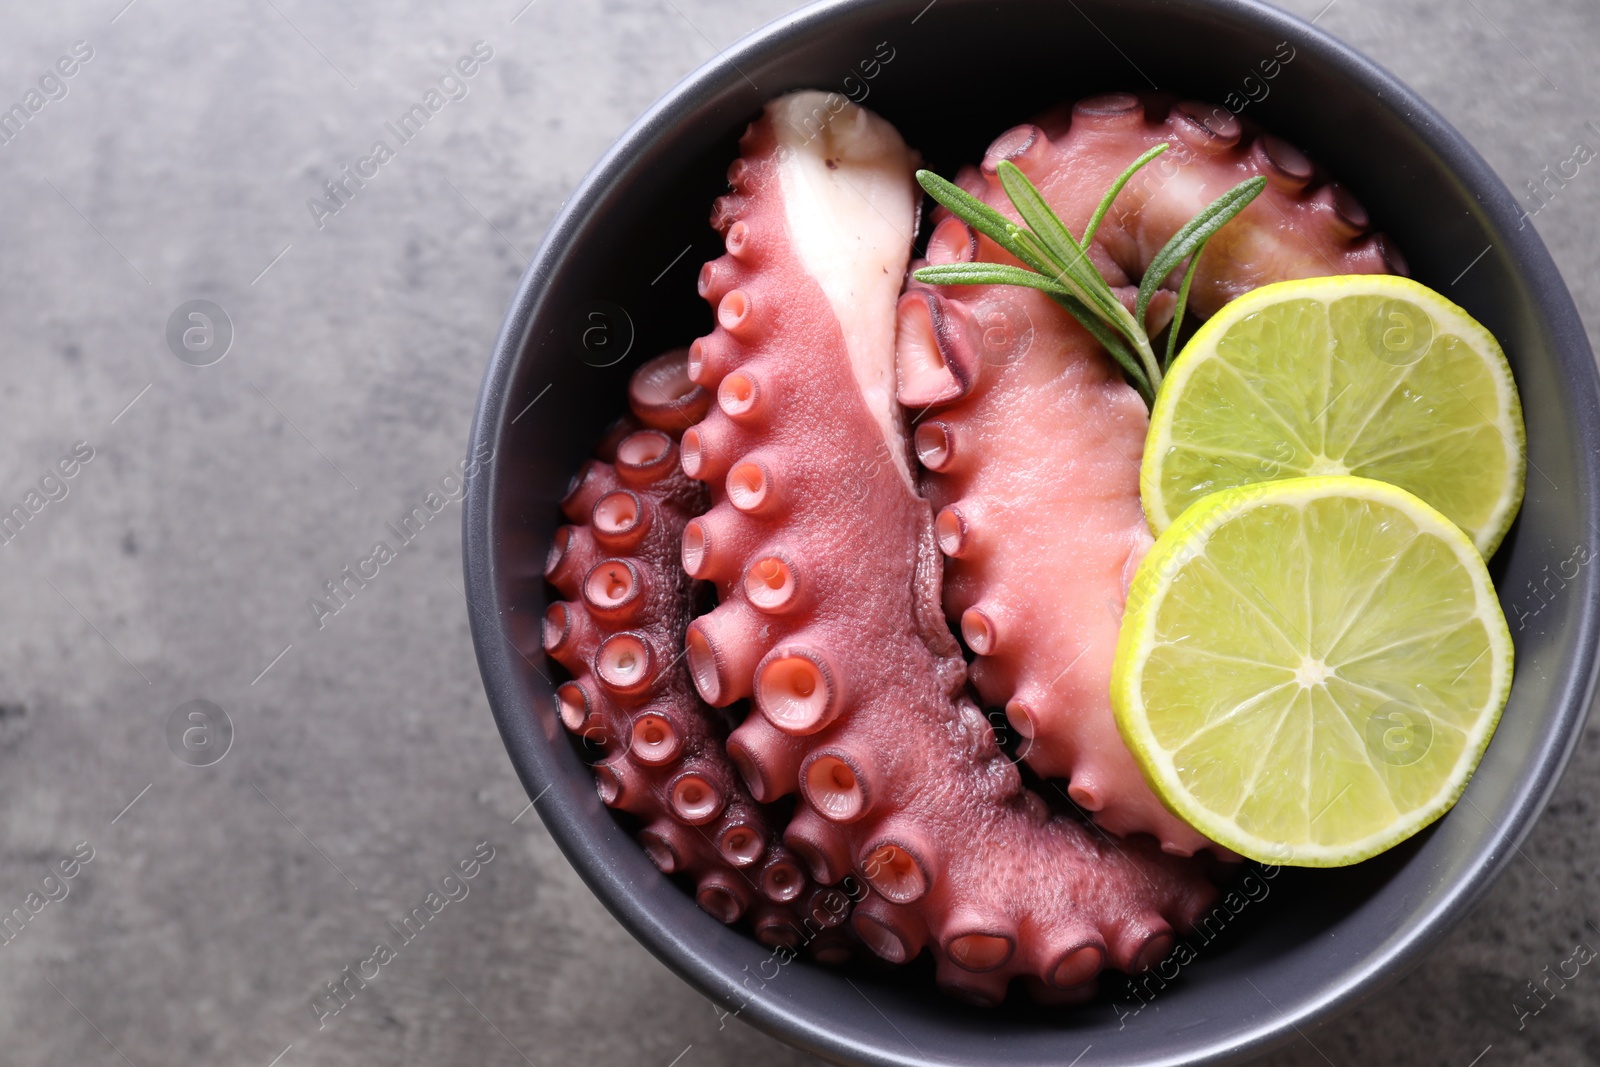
(1183, 300)
(1058, 264)
(1193, 235)
(1116, 187)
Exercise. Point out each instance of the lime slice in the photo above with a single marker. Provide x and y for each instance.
(1309, 670)
(1370, 375)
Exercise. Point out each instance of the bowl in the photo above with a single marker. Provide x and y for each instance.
(613, 284)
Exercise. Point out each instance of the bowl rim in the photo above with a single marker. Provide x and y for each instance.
(534, 758)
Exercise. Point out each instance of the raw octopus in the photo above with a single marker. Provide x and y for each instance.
(620, 635)
(1031, 451)
(829, 576)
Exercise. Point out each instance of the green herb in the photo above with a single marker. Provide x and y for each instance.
(1058, 264)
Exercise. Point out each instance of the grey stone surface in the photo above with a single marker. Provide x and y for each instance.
(364, 764)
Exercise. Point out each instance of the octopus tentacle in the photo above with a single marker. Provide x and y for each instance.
(828, 570)
(1032, 446)
(619, 633)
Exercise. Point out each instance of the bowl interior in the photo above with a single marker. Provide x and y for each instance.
(614, 285)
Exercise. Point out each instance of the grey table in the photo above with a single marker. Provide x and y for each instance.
(181, 562)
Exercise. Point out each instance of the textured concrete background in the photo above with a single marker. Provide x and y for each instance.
(364, 764)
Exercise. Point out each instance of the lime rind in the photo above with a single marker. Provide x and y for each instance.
(1264, 824)
(1272, 425)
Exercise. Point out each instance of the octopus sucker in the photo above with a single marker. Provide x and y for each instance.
(858, 684)
(619, 632)
(1031, 432)
(767, 759)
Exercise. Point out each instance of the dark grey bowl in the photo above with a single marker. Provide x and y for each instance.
(1320, 940)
